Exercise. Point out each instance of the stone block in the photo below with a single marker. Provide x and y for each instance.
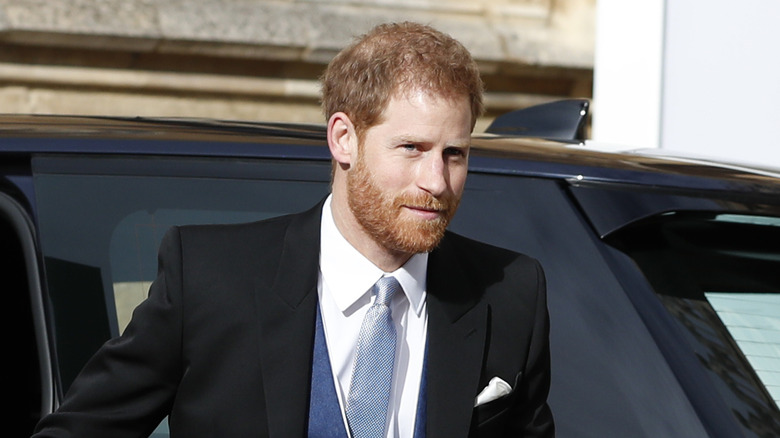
(137, 18)
(533, 31)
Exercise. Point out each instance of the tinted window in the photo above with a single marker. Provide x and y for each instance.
(718, 275)
(101, 221)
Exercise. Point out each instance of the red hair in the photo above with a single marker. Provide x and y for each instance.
(396, 58)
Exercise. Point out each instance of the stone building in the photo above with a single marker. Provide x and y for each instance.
(260, 60)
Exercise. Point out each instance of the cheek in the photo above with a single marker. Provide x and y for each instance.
(392, 176)
(398, 181)
(458, 179)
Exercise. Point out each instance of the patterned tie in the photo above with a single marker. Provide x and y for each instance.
(372, 373)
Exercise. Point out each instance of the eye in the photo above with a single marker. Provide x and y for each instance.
(412, 149)
(455, 152)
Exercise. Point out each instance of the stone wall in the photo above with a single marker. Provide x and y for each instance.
(259, 60)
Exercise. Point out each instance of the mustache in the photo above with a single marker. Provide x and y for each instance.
(426, 201)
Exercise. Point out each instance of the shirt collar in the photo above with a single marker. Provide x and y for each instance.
(350, 275)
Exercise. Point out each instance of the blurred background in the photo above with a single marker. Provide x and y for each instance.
(691, 76)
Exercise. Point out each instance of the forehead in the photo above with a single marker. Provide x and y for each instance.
(418, 107)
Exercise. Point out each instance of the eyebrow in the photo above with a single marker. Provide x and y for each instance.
(416, 140)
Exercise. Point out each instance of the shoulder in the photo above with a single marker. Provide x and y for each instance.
(483, 256)
(242, 256)
(251, 239)
(471, 270)
(233, 233)
(266, 231)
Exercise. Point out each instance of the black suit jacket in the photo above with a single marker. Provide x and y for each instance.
(223, 345)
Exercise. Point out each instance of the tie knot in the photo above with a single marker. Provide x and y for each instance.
(384, 289)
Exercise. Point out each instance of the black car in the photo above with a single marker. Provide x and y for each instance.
(663, 274)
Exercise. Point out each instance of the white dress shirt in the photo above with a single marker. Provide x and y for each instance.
(345, 280)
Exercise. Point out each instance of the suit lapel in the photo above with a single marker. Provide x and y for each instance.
(287, 319)
(457, 321)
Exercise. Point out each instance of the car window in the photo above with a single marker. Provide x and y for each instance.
(718, 275)
(102, 219)
(753, 320)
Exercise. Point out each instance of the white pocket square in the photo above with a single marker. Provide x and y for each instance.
(496, 388)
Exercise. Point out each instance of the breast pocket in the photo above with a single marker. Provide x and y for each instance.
(492, 411)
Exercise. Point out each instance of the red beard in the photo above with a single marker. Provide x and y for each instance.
(380, 214)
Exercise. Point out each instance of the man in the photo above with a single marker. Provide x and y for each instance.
(276, 329)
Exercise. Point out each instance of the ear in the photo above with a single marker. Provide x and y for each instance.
(342, 139)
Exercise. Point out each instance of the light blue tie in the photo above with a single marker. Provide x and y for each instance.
(372, 373)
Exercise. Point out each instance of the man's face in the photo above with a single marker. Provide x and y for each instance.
(407, 180)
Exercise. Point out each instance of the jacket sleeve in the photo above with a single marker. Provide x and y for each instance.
(127, 388)
(535, 418)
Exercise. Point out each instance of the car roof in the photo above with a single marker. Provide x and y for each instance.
(575, 161)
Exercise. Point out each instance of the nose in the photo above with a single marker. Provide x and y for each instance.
(433, 175)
